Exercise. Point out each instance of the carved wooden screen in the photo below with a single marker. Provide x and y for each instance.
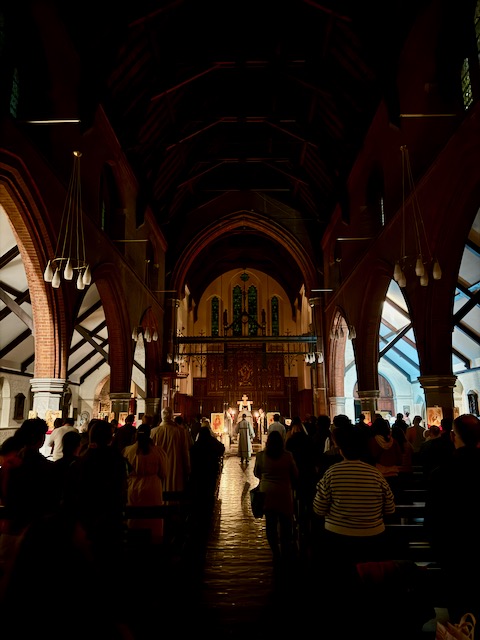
(246, 370)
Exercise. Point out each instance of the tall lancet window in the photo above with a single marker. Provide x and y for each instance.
(275, 317)
(237, 311)
(252, 311)
(215, 316)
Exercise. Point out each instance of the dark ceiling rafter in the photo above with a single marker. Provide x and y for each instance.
(20, 298)
(14, 343)
(300, 92)
(8, 256)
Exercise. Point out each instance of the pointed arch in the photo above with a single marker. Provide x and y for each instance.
(27, 213)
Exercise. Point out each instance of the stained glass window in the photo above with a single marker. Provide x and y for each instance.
(215, 316)
(275, 317)
(237, 311)
(252, 311)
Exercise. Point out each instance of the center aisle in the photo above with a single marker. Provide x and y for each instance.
(241, 596)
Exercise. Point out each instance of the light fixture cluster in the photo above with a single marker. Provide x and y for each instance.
(314, 357)
(422, 255)
(70, 255)
(177, 359)
(146, 333)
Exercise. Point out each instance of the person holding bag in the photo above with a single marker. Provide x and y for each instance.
(278, 474)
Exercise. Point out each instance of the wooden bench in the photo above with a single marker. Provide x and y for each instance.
(417, 494)
(407, 514)
(409, 542)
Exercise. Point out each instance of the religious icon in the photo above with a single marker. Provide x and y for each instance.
(434, 416)
(50, 416)
(217, 422)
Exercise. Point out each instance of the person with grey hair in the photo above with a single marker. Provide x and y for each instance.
(452, 518)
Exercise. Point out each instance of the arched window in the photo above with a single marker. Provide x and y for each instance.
(275, 317)
(252, 311)
(472, 397)
(18, 412)
(215, 316)
(237, 311)
(469, 74)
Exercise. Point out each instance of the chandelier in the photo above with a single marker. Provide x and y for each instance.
(70, 250)
(422, 256)
(314, 357)
(147, 333)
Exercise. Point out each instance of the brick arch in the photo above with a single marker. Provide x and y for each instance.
(336, 362)
(367, 325)
(120, 358)
(264, 226)
(153, 357)
(26, 211)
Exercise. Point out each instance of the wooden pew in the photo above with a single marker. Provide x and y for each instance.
(409, 542)
(407, 514)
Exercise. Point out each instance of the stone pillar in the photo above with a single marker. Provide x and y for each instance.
(319, 371)
(439, 393)
(369, 401)
(47, 395)
(166, 384)
(337, 406)
(120, 402)
(153, 405)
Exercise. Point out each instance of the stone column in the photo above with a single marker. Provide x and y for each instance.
(153, 405)
(337, 406)
(369, 401)
(120, 402)
(319, 371)
(47, 395)
(439, 392)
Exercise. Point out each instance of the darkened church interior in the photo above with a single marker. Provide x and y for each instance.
(217, 209)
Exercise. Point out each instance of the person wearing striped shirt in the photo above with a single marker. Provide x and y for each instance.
(352, 498)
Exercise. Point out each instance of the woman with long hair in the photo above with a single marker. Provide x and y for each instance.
(278, 474)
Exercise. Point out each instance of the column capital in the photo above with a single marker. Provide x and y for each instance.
(374, 393)
(48, 385)
(437, 381)
(120, 395)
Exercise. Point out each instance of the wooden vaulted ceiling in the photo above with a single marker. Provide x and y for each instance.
(216, 102)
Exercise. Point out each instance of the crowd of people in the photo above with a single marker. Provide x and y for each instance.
(74, 501)
(335, 481)
(348, 478)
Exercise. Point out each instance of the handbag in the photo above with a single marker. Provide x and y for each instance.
(464, 630)
(257, 500)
